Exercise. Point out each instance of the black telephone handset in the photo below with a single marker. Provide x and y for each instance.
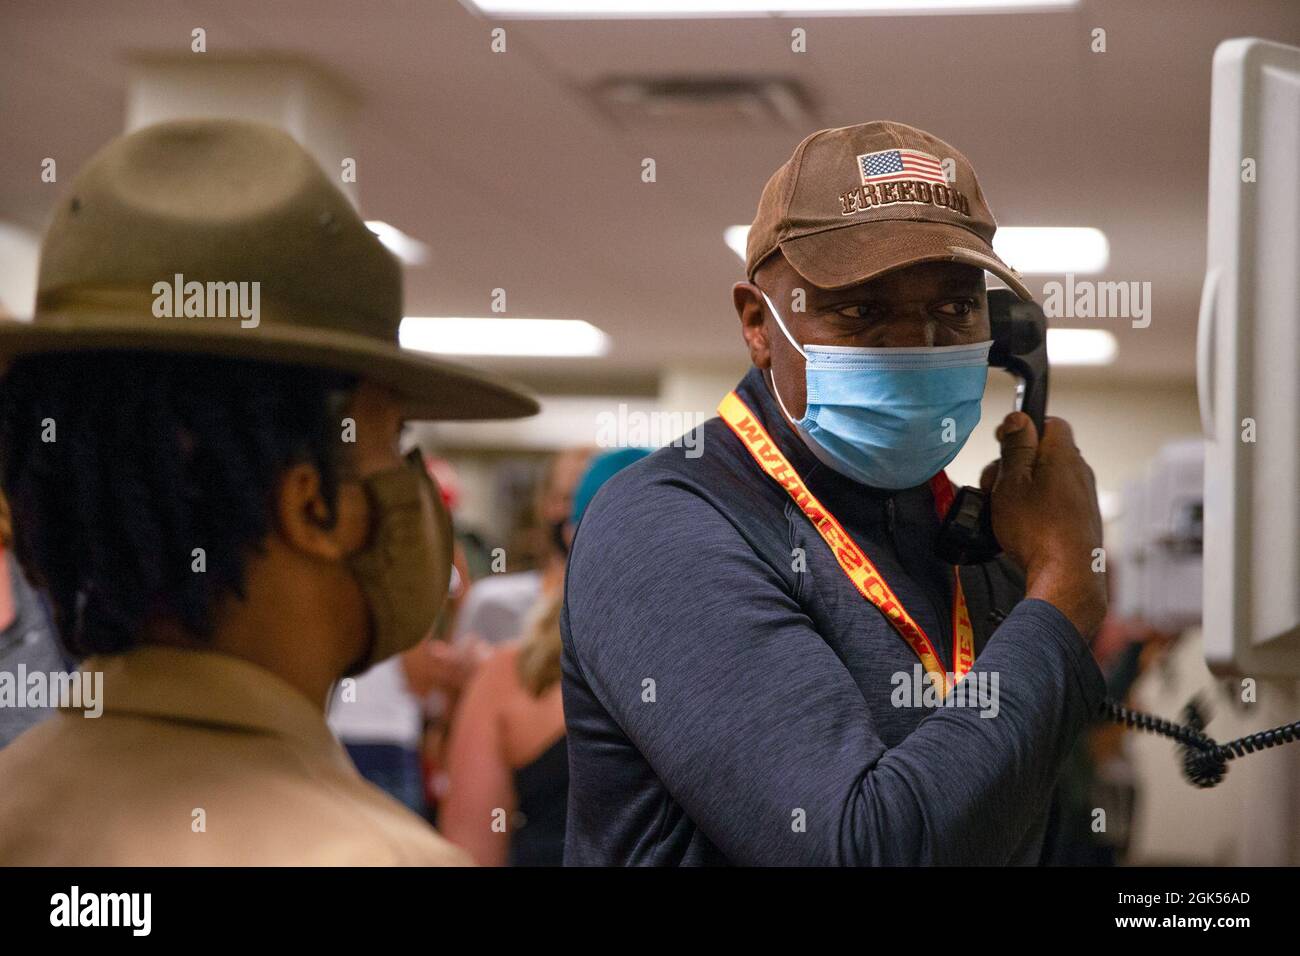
(1019, 331)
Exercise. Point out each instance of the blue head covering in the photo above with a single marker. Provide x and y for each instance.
(602, 468)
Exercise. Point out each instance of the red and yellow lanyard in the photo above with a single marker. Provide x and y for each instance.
(852, 559)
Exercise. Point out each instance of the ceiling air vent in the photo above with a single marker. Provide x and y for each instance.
(704, 102)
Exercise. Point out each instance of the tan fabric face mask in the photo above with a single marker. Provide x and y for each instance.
(405, 569)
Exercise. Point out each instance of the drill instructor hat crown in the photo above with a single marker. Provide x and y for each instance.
(166, 228)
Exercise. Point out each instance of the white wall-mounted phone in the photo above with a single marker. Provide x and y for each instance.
(1248, 363)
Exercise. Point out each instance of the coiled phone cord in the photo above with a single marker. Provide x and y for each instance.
(1205, 760)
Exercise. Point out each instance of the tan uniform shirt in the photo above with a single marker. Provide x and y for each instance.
(199, 758)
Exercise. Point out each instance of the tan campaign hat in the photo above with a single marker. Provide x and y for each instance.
(855, 202)
(225, 237)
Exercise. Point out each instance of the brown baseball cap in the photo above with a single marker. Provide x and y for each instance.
(855, 202)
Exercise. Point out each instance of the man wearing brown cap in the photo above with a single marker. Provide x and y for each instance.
(199, 435)
(765, 660)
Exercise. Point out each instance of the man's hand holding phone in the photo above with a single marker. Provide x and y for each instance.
(1046, 517)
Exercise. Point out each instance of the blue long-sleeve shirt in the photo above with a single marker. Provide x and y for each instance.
(731, 698)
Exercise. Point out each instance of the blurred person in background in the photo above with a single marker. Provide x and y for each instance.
(27, 641)
(219, 511)
(508, 754)
(495, 608)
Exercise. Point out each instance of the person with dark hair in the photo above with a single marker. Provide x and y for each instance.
(508, 762)
(766, 659)
(199, 437)
(157, 454)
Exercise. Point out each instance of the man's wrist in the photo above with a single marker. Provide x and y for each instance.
(1080, 601)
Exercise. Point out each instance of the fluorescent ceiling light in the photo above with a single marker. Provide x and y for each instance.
(495, 336)
(1052, 250)
(609, 9)
(411, 251)
(1081, 347)
(735, 237)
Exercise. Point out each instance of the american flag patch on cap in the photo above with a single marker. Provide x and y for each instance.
(892, 165)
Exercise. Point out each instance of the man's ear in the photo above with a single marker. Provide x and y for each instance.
(303, 517)
(753, 322)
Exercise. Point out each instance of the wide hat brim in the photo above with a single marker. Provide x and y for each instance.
(432, 389)
(849, 255)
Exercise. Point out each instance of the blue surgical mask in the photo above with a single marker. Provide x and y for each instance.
(890, 418)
